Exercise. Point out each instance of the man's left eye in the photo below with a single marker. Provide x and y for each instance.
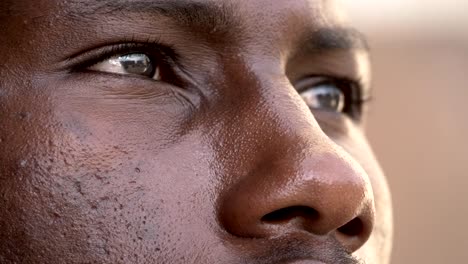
(131, 63)
(322, 94)
(332, 95)
(325, 96)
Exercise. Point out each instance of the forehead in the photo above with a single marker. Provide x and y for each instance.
(246, 12)
(245, 8)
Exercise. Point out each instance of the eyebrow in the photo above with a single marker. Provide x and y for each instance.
(197, 16)
(335, 39)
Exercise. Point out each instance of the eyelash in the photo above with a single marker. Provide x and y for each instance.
(355, 98)
(165, 55)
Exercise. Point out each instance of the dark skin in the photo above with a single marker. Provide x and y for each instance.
(223, 148)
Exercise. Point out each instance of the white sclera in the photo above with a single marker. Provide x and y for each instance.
(324, 97)
(133, 63)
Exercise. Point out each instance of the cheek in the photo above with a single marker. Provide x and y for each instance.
(95, 179)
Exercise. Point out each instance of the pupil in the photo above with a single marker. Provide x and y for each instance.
(325, 97)
(330, 100)
(136, 64)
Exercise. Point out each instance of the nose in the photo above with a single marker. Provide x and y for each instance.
(300, 184)
(326, 194)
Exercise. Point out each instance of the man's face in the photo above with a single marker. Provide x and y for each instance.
(209, 131)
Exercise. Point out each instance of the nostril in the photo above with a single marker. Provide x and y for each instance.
(288, 213)
(353, 228)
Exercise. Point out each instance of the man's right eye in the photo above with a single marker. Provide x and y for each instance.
(130, 64)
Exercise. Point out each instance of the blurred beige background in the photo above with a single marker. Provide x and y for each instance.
(419, 121)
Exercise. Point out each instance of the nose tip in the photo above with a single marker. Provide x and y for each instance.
(326, 194)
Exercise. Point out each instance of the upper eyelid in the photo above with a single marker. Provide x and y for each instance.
(337, 79)
(93, 56)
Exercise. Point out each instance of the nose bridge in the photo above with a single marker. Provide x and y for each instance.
(286, 116)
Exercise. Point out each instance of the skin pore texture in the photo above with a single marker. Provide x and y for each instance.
(212, 154)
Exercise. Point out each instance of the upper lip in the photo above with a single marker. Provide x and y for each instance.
(298, 248)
